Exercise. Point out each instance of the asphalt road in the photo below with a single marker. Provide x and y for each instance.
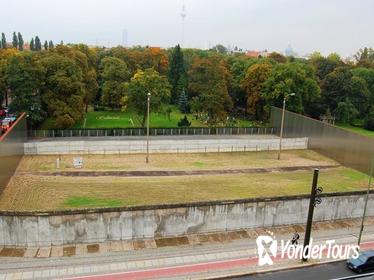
(319, 272)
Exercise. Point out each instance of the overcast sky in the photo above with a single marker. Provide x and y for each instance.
(341, 26)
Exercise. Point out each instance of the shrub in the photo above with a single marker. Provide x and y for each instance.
(184, 122)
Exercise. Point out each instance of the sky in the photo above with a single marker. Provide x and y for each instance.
(327, 26)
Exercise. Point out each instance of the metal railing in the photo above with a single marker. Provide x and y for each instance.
(100, 132)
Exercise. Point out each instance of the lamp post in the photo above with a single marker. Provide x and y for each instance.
(282, 122)
(148, 101)
(366, 204)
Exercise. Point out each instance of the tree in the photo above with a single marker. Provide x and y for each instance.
(183, 102)
(50, 44)
(253, 84)
(20, 42)
(184, 122)
(32, 45)
(142, 83)
(62, 90)
(367, 75)
(23, 77)
(208, 85)
(15, 41)
(38, 44)
(325, 65)
(114, 74)
(339, 85)
(346, 111)
(46, 45)
(278, 57)
(177, 74)
(289, 78)
(3, 41)
(365, 57)
(219, 49)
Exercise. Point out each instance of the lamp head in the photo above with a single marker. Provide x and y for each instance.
(148, 94)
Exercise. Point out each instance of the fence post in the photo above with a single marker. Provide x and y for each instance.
(245, 148)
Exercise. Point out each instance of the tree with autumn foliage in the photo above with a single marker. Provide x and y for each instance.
(142, 83)
(253, 84)
(208, 86)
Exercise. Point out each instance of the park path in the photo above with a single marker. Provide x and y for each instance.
(177, 172)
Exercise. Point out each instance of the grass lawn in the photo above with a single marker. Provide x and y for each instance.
(356, 129)
(118, 119)
(183, 161)
(29, 192)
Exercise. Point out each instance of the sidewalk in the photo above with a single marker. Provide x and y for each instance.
(188, 257)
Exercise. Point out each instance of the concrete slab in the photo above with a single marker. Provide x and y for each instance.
(31, 252)
(127, 245)
(69, 251)
(80, 249)
(116, 246)
(93, 248)
(44, 252)
(57, 251)
(150, 244)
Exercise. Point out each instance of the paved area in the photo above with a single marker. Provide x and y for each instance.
(188, 257)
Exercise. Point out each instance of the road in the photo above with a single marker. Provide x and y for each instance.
(320, 272)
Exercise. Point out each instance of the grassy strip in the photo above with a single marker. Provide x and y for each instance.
(51, 193)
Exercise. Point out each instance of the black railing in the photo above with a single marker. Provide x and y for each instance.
(99, 132)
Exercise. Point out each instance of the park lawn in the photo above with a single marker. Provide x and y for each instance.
(129, 119)
(30, 192)
(357, 129)
(182, 161)
(119, 119)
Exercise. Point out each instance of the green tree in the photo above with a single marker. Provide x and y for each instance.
(183, 102)
(15, 41)
(220, 49)
(289, 78)
(142, 83)
(346, 111)
(253, 85)
(339, 85)
(209, 81)
(184, 122)
(278, 57)
(177, 74)
(114, 74)
(50, 44)
(38, 44)
(20, 42)
(3, 41)
(63, 89)
(45, 45)
(23, 76)
(32, 45)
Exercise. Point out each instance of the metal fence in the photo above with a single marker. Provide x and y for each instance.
(348, 148)
(11, 150)
(51, 133)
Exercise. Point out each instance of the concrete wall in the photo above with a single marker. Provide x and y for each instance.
(42, 229)
(163, 145)
(11, 150)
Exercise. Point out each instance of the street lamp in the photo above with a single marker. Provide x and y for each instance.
(148, 101)
(366, 204)
(282, 122)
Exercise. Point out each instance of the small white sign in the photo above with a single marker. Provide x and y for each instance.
(78, 162)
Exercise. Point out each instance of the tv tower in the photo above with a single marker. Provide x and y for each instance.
(183, 16)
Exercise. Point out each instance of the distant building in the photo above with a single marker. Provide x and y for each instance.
(289, 51)
(257, 54)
